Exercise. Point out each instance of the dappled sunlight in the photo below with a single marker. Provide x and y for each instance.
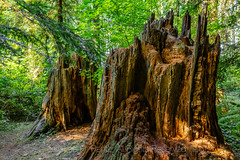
(205, 143)
(77, 133)
(62, 145)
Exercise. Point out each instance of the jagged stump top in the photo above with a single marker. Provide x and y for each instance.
(158, 96)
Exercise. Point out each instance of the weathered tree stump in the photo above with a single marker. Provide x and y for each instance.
(157, 97)
(71, 98)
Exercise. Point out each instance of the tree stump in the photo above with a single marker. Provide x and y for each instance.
(157, 97)
(71, 98)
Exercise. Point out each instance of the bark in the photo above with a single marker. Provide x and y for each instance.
(71, 98)
(157, 97)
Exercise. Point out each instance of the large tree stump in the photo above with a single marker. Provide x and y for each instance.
(71, 98)
(157, 97)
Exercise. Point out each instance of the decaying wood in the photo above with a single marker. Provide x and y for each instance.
(71, 98)
(157, 97)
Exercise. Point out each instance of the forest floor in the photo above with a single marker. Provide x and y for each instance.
(60, 146)
(67, 145)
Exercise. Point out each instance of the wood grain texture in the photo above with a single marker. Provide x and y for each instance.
(157, 97)
(70, 99)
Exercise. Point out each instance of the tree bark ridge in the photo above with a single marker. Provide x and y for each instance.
(157, 97)
(71, 97)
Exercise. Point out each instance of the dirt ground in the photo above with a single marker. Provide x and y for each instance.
(60, 146)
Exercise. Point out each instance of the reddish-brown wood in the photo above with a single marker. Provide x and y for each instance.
(157, 97)
(71, 98)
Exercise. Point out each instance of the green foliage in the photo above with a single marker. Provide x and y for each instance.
(111, 23)
(23, 87)
(229, 118)
(64, 39)
(67, 42)
(3, 120)
(96, 76)
(229, 68)
(17, 39)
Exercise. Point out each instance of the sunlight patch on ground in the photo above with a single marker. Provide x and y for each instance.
(63, 145)
(78, 133)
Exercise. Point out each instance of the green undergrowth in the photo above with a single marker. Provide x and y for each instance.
(6, 125)
(23, 86)
(228, 111)
(40, 137)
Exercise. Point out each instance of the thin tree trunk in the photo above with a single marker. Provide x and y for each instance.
(60, 11)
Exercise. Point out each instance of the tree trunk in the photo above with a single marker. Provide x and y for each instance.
(71, 98)
(60, 11)
(157, 97)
